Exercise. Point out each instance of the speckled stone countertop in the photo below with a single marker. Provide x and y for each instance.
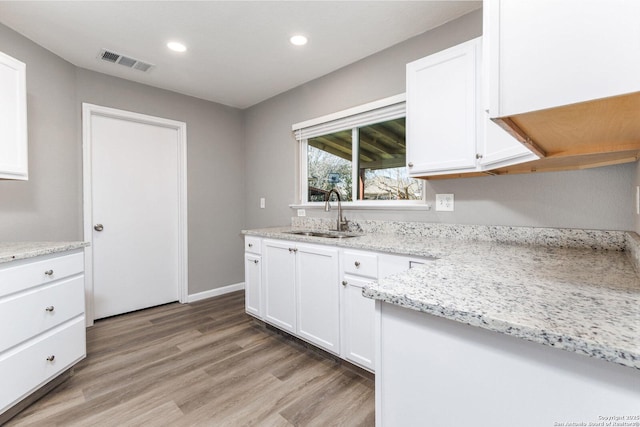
(12, 251)
(580, 297)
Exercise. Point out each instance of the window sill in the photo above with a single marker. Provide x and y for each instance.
(419, 206)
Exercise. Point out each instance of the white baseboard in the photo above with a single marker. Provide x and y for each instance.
(215, 292)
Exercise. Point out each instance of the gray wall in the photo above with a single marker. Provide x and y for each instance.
(49, 205)
(597, 198)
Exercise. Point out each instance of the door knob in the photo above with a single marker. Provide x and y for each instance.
(98, 227)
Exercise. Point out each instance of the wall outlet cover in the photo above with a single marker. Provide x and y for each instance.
(302, 212)
(444, 202)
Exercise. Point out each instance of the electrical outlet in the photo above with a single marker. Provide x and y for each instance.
(262, 203)
(444, 202)
(302, 212)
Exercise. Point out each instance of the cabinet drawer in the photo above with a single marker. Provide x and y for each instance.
(253, 245)
(25, 274)
(30, 313)
(28, 369)
(361, 263)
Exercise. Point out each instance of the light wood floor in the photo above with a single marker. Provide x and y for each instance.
(202, 364)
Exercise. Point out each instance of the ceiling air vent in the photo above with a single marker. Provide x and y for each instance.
(116, 58)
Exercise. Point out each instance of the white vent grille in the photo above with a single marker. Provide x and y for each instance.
(116, 58)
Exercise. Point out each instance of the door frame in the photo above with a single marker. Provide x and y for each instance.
(89, 111)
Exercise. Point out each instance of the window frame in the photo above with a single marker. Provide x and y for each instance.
(353, 118)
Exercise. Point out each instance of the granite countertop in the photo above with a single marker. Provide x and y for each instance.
(379, 242)
(12, 251)
(576, 298)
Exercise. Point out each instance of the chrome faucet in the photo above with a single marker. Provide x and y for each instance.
(341, 223)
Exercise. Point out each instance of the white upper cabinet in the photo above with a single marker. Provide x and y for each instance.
(442, 92)
(13, 119)
(498, 148)
(448, 130)
(549, 53)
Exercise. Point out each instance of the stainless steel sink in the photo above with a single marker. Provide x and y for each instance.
(325, 234)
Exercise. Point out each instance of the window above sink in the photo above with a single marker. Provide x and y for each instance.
(360, 152)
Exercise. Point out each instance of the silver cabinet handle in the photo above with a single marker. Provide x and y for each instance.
(410, 164)
(357, 264)
(250, 245)
(344, 283)
(51, 358)
(49, 272)
(50, 308)
(478, 156)
(255, 261)
(98, 227)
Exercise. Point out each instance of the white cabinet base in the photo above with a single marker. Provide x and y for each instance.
(434, 371)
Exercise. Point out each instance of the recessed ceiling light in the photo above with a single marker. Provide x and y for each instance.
(298, 40)
(176, 47)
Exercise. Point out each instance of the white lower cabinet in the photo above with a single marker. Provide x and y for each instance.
(42, 323)
(439, 372)
(314, 292)
(301, 291)
(252, 284)
(279, 281)
(358, 317)
(318, 296)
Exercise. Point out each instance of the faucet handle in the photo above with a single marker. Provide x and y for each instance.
(344, 225)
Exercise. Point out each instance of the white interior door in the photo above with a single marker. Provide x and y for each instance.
(135, 207)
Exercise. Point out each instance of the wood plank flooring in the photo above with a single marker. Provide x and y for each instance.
(202, 364)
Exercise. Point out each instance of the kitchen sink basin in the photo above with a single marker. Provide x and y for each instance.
(325, 234)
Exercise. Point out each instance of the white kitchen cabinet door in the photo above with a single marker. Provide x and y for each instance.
(318, 296)
(500, 149)
(253, 284)
(279, 275)
(358, 328)
(549, 53)
(442, 91)
(13, 119)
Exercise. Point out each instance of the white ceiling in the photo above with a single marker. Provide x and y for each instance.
(238, 51)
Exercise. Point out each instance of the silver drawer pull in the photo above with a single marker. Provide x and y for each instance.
(344, 283)
(49, 272)
(357, 264)
(50, 308)
(250, 245)
(51, 358)
(255, 261)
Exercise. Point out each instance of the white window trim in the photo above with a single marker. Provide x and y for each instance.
(373, 112)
